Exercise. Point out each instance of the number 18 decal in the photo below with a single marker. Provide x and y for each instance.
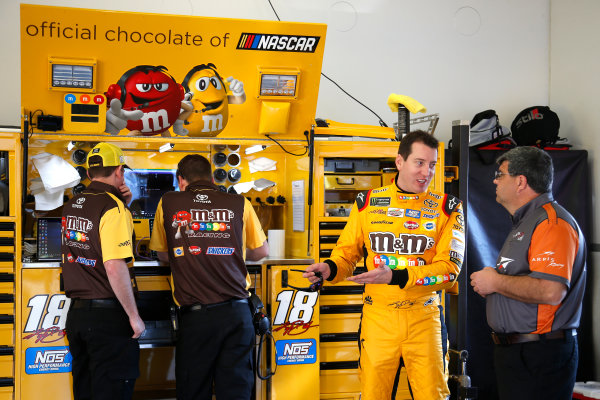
(295, 311)
(47, 318)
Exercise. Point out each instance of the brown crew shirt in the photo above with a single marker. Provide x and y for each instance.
(206, 232)
(96, 227)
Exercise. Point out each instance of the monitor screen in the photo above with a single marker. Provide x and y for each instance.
(147, 187)
(48, 238)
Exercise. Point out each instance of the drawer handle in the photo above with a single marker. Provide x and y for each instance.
(337, 180)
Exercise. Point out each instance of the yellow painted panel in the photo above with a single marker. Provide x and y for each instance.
(6, 366)
(7, 308)
(339, 323)
(340, 396)
(7, 335)
(339, 351)
(340, 381)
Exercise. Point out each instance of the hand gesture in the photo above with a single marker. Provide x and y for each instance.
(117, 118)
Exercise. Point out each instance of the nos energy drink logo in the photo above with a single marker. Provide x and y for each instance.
(269, 42)
(291, 352)
(47, 360)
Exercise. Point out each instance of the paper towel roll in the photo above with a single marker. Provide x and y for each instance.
(276, 239)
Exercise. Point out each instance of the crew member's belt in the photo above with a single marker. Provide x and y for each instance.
(198, 306)
(95, 303)
(514, 338)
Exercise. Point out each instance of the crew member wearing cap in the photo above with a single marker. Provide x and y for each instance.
(208, 234)
(103, 323)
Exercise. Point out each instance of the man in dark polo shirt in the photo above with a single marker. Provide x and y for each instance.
(534, 293)
(103, 323)
(206, 235)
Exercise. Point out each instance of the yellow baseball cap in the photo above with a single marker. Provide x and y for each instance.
(105, 155)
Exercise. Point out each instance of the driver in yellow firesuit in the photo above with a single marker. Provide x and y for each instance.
(414, 243)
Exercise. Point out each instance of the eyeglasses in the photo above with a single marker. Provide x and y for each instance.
(315, 287)
(500, 174)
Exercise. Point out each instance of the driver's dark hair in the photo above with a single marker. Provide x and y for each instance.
(417, 136)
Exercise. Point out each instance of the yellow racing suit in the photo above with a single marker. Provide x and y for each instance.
(421, 238)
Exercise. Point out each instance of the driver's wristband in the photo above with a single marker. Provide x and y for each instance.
(332, 269)
(399, 277)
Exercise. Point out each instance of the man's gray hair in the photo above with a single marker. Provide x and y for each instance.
(534, 163)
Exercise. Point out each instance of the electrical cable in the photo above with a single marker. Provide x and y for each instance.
(258, 355)
(381, 122)
(278, 19)
(282, 148)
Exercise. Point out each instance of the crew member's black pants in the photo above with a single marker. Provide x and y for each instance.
(544, 369)
(215, 344)
(105, 357)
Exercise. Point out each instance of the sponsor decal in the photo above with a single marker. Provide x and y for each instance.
(412, 213)
(429, 226)
(404, 262)
(430, 203)
(368, 300)
(546, 257)
(294, 352)
(457, 245)
(458, 227)
(452, 203)
(457, 255)
(395, 212)
(201, 198)
(78, 224)
(48, 360)
(519, 236)
(379, 190)
(86, 261)
(503, 263)
(178, 251)
(432, 280)
(429, 302)
(388, 243)
(125, 243)
(460, 219)
(83, 246)
(391, 261)
(456, 261)
(412, 225)
(428, 210)
(380, 211)
(214, 235)
(78, 203)
(382, 222)
(458, 235)
(277, 42)
(434, 195)
(360, 197)
(194, 250)
(380, 201)
(70, 257)
(429, 216)
(404, 197)
(220, 251)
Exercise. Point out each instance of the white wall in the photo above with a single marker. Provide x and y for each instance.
(574, 88)
(456, 57)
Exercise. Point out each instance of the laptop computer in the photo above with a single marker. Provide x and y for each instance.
(48, 239)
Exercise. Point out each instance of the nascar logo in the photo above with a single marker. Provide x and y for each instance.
(271, 42)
